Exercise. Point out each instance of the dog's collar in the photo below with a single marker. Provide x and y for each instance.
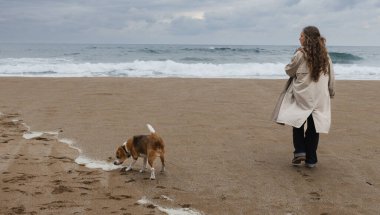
(126, 151)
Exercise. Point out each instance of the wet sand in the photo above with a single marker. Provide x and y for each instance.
(224, 156)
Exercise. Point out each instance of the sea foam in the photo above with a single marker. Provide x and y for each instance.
(60, 68)
(31, 135)
(88, 162)
(81, 159)
(31, 67)
(95, 164)
(171, 211)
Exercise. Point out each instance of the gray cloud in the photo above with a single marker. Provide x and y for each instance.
(343, 22)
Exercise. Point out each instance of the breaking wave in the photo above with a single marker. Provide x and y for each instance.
(60, 67)
(344, 58)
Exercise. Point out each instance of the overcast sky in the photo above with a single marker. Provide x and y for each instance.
(251, 22)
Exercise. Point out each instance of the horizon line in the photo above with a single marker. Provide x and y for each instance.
(189, 44)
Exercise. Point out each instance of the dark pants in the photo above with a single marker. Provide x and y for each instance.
(306, 143)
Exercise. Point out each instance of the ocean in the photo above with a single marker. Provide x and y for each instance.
(182, 61)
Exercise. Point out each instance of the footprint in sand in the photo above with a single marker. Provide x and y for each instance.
(18, 210)
(23, 177)
(176, 188)
(85, 188)
(315, 196)
(43, 139)
(57, 182)
(151, 206)
(118, 197)
(81, 172)
(12, 115)
(130, 180)
(18, 190)
(223, 197)
(58, 205)
(6, 141)
(305, 175)
(66, 159)
(90, 182)
(61, 189)
(185, 205)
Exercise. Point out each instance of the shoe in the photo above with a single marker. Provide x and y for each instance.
(310, 165)
(297, 160)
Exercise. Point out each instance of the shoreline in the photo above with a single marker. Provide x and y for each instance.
(223, 152)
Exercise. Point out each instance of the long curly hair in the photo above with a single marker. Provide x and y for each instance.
(315, 51)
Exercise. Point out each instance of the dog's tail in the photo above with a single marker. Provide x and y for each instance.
(151, 129)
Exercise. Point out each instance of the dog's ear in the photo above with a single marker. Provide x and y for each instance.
(118, 152)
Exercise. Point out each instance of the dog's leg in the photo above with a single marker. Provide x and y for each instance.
(152, 174)
(151, 158)
(144, 164)
(162, 163)
(131, 165)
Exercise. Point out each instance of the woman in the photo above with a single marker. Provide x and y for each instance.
(306, 98)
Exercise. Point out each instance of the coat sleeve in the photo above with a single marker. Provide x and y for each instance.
(331, 79)
(292, 67)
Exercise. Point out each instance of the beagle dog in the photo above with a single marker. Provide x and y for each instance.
(146, 146)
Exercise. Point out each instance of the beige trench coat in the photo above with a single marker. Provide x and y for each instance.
(302, 96)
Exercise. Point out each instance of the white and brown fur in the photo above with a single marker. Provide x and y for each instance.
(147, 146)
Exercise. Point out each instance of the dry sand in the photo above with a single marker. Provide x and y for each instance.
(224, 156)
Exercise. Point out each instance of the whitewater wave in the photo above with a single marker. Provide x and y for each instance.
(60, 67)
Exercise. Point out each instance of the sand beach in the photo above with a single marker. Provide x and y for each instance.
(224, 155)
